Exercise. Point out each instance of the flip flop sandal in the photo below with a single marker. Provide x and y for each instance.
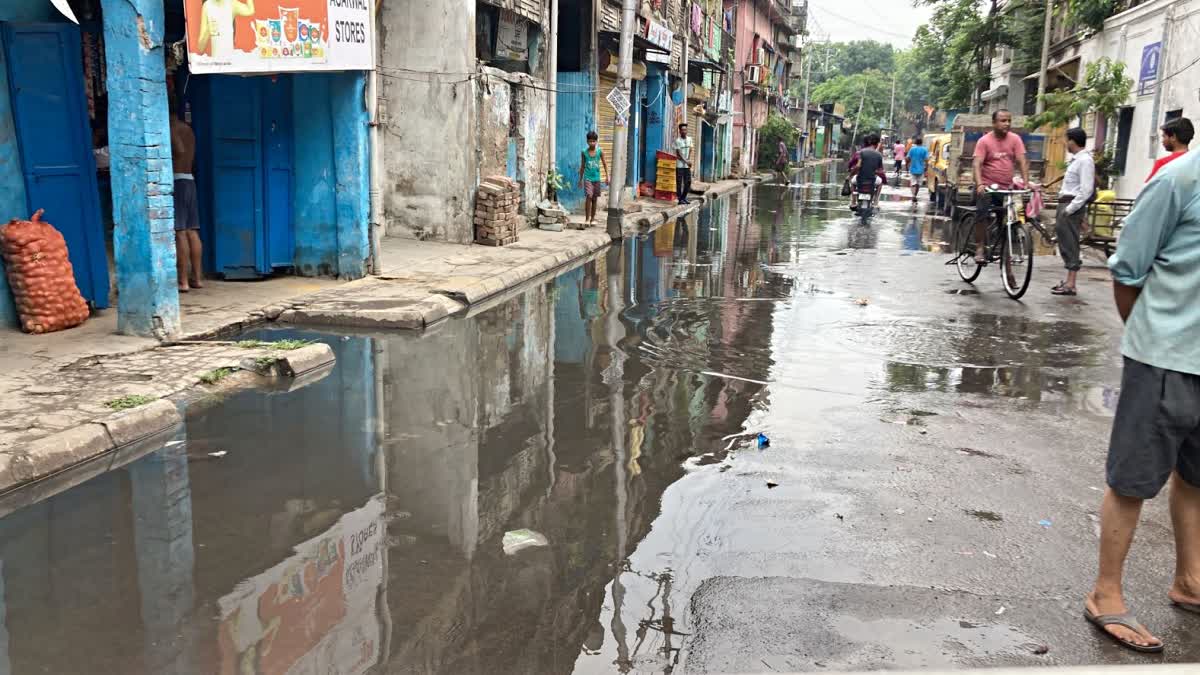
(1126, 620)
(1063, 290)
(1187, 606)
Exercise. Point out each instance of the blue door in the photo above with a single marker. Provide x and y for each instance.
(234, 111)
(45, 76)
(248, 128)
(277, 158)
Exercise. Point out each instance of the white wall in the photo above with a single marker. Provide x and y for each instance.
(1123, 38)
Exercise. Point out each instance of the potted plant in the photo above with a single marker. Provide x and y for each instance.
(554, 182)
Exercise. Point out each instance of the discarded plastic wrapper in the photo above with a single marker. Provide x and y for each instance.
(516, 541)
(763, 441)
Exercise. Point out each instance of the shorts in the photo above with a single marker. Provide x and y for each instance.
(591, 188)
(1156, 430)
(187, 206)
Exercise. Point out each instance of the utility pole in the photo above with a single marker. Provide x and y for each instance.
(1156, 110)
(552, 81)
(1042, 74)
(857, 117)
(620, 136)
(892, 108)
(807, 54)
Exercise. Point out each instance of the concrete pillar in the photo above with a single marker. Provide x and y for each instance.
(142, 178)
(351, 159)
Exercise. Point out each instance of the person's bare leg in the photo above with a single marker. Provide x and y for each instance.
(1118, 522)
(981, 225)
(195, 248)
(182, 256)
(1185, 519)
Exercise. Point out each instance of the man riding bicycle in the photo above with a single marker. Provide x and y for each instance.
(868, 173)
(995, 156)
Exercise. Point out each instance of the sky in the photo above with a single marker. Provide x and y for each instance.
(891, 21)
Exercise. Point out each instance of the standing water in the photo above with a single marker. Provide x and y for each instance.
(561, 482)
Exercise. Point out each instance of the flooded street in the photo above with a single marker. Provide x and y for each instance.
(571, 479)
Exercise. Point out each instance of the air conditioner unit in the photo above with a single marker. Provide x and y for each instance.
(754, 73)
(797, 41)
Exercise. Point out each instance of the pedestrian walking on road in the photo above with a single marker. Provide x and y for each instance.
(683, 164)
(1176, 139)
(898, 156)
(918, 154)
(590, 163)
(1078, 190)
(1156, 432)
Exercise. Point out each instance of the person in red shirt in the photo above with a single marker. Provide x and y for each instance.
(1177, 135)
(996, 156)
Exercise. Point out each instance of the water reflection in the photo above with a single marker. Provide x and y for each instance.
(358, 524)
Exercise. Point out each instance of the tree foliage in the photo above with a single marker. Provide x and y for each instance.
(872, 88)
(777, 128)
(950, 49)
(1021, 27)
(851, 58)
(1104, 89)
(1092, 13)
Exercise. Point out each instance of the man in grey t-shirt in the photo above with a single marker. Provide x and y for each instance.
(683, 164)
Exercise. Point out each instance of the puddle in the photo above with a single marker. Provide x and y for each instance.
(359, 523)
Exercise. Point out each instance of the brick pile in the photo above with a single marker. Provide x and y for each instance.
(497, 211)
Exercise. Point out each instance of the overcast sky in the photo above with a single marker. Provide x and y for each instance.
(892, 21)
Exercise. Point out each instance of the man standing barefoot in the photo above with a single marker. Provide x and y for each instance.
(1156, 433)
(187, 208)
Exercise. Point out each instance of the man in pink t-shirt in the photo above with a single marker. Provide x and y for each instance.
(996, 156)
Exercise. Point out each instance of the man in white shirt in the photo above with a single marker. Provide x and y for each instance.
(683, 164)
(1079, 186)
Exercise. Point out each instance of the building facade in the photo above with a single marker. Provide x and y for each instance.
(765, 35)
(281, 172)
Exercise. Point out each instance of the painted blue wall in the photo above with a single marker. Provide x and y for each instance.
(576, 116)
(332, 175)
(12, 186)
(655, 115)
(351, 156)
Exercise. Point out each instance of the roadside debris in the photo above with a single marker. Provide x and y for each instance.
(516, 541)
(772, 486)
(862, 302)
(763, 441)
(1045, 523)
(1000, 611)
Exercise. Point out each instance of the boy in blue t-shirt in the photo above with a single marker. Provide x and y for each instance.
(590, 163)
(917, 156)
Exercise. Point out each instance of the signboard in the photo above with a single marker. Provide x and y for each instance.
(661, 36)
(314, 612)
(276, 36)
(511, 37)
(619, 101)
(1148, 74)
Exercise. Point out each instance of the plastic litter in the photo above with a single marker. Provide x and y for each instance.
(772, 486)
(516, 541)
(1000, 611)
(218, 453)
(763, 441)
(1045, 523)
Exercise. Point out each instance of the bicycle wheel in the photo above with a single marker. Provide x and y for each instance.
(964, 248)
(1016, 255)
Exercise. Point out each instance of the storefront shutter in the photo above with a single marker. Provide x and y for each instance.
(606, 117)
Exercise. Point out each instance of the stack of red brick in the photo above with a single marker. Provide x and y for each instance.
(497, 211)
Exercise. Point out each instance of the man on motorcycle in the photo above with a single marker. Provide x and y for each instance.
(868, 173)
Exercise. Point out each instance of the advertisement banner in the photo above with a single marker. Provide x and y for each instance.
(1148, 74)
(278, 36)
(315, 611)
(512, 42)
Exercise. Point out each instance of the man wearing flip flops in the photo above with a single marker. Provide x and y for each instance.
(1156, 433)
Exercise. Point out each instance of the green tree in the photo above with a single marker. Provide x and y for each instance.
(777, 128)
(873, 89)
(1104, 89)
(1020, 27)
(850, 58)
(1092, 13)
(950, 49)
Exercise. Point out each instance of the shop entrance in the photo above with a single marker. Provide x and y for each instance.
(244, 139)
(55, 140)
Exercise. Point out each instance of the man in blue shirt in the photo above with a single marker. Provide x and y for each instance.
(917, 156)
(1156, 433)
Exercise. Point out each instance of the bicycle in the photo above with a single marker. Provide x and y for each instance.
(1010, 243)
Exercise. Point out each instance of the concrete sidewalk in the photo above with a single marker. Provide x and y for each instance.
(56, 390)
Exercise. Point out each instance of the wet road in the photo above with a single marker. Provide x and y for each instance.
(567, 481)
